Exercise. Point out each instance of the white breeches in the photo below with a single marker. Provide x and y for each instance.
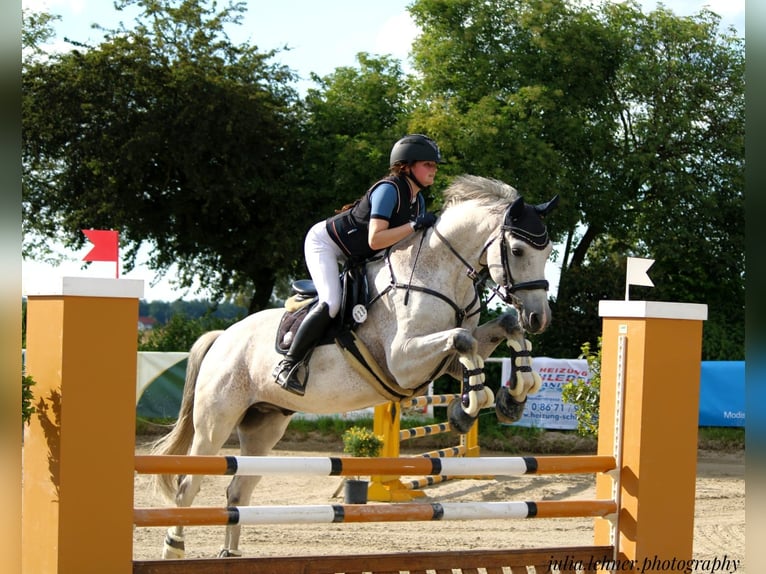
(322, 258)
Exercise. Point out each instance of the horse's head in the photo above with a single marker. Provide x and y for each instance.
(516, 259)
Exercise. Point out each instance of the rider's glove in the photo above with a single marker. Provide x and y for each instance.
(424, 221)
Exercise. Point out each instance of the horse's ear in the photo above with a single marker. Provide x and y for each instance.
(517, 208)
(545, 208)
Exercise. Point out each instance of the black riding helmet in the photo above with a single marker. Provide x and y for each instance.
(415, 147)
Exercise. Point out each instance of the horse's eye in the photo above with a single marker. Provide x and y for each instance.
(517, 251)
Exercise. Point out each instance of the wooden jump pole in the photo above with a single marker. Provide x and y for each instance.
(354, 466)
(338, 513)
(81, 352)
(651, 353)
(464, 561)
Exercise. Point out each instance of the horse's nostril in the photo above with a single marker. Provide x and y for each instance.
(534, 322)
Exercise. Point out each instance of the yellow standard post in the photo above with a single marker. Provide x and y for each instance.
(77, 501)
(388, 488)
(656, 348)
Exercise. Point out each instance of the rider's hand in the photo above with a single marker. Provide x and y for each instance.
(424, 221)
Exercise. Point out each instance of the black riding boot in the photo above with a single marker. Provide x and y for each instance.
(306, 337)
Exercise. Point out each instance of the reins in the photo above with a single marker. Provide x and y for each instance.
(479, 277)
(460, 313)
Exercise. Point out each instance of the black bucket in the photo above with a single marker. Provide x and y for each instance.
(355, 491)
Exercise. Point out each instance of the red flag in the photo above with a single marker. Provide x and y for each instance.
(105, 245)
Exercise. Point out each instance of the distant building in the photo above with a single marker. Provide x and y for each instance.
(146, 323)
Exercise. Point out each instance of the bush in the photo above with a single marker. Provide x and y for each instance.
(584, 395)
(360, 441)
(27, 409)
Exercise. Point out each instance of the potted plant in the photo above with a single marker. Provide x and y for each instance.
(359, 442)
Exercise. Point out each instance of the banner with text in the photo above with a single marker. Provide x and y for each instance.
(722, 394)
(545, 409)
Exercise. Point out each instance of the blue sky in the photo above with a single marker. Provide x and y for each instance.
(321, 35)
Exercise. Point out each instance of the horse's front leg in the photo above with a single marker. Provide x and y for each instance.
(490, 334)
(455, 351)
(523, 381)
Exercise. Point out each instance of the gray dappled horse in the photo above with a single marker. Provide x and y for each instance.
(422, 322)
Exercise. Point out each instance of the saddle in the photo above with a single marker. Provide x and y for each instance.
(353, 309)
(353, 312)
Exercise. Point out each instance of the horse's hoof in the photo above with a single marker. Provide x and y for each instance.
(229, 553)
(458, 419)
(508, 409)
(169, 553)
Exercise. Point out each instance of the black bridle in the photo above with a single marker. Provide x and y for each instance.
(522, 222)
(536, 238)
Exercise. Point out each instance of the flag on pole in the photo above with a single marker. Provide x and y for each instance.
(106, 246)
(636, 273)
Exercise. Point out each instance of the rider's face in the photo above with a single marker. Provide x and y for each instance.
(425, 171)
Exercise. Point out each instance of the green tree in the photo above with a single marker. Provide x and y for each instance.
(353, 117)
(174, 136)
(37, 29)
(636, 120)
(179, 333)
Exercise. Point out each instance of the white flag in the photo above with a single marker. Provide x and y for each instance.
(637, 269)
(637, 273)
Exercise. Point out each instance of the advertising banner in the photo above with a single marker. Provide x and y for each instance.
(545, 409)
(722, 394)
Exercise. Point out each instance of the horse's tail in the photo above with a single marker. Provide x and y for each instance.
(179, 439)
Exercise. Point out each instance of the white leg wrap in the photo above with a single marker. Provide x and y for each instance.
(528, 381)
(477, 399)
(173, 548)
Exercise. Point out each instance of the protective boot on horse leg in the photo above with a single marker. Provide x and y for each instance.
(306, 337)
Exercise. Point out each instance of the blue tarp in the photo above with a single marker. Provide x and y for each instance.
(722, 394)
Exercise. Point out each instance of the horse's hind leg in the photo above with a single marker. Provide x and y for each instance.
(212, 429)
(258, 432)
(188, 487)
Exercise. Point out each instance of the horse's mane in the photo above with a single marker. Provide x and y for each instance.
(491, 193)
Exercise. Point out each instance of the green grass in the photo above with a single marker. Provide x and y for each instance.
(721, 438)
(326, 425)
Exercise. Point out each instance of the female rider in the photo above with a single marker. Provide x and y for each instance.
(389, 211)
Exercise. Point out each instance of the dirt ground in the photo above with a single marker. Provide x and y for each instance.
(719, 517)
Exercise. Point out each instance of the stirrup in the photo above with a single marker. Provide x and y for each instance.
(286, 376)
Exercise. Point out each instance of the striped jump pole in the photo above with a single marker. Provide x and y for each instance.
(336, 513)
(355, 466)
(387, 419)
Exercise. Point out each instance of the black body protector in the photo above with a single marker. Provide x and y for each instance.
(349, 229)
